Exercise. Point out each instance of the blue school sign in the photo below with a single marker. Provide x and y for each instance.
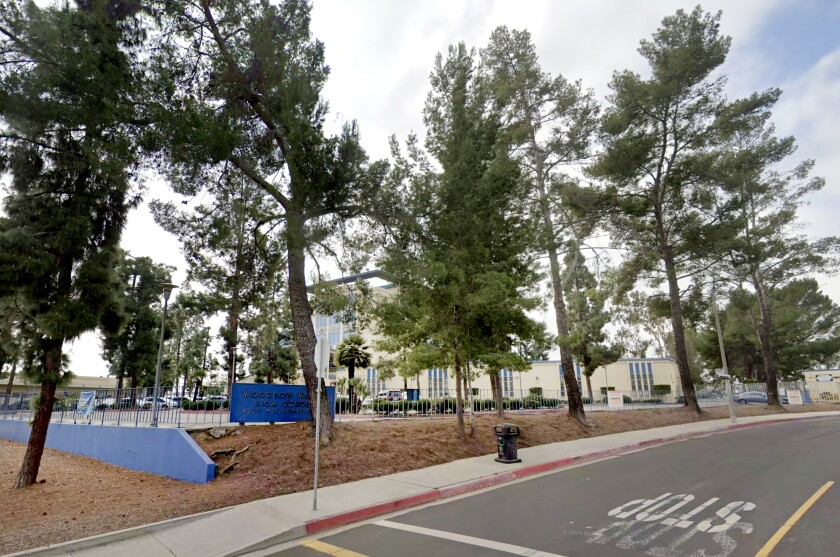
(272, 403)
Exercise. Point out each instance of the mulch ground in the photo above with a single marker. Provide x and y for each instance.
(81, 497)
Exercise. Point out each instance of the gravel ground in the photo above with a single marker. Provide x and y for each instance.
(82, 497)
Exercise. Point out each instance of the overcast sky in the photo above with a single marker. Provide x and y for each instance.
(381, 52)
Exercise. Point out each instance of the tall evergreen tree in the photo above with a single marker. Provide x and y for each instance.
(132, 353)
(461, 253)
(240, 85)
(767, 250)
(67, 76)
(587, 318)
(660, 134)
(551, 122)
(227, 252)
(805, 334)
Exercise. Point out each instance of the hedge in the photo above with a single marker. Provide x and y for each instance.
(205, 404)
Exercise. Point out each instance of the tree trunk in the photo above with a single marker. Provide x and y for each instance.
(43, 414)
(561, 316)
(459, 400)
(589, 387)
(233, 340)
(351, 391)
(496, 386)
(302, 321)
(679, 330)
(764, 329)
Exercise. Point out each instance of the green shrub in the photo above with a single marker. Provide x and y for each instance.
(205, 405)
(662, 389)
(829, 397)
(535, 391)
(342, 404)
(651, 401)
(586, 400)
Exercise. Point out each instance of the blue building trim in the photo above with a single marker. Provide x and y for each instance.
(163, 451)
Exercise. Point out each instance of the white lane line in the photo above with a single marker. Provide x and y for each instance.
(489, 544)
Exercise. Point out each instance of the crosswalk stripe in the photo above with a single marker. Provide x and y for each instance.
(460, 538)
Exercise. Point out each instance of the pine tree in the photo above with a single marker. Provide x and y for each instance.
(587, 318)
(660, 135)
(551, 123)
(66, 79)
(767, 251)
(132, 353)
(227, 253)
(460, 255)
(239, 83)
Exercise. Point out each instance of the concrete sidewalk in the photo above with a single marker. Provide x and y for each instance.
(260, 524)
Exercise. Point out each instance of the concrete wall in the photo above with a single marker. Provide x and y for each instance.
(163, 451)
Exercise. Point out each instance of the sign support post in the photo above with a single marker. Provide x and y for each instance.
(317, 442)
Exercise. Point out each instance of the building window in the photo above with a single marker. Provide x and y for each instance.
(438, 383)
(633, 385)
(335, 338)
(374, 383)
(650, 376)
(562, 382)
(507, 383)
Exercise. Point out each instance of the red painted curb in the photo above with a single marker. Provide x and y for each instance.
(363, 513)
(356, 515)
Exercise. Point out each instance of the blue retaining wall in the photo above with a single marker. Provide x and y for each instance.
(163, 451)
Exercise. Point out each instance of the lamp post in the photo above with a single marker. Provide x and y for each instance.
(167, 290)
(724, 371)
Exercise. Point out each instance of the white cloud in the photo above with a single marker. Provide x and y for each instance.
(381, 53)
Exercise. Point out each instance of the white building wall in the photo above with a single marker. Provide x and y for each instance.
(636, 376)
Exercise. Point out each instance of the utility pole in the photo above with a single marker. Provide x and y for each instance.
(726, 375)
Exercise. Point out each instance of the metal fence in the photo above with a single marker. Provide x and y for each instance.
(122, 407)
(134, 407)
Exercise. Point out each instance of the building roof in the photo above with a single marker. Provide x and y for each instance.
(615, 362)
(367, 275)
(76, 382)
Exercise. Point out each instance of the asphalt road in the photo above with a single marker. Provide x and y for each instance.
(723, 495)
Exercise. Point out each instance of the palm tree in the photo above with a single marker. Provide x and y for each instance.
(353, 353)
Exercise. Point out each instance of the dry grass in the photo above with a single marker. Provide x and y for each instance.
(82, 497)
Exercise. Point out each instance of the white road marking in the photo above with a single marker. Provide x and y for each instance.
(480, 542)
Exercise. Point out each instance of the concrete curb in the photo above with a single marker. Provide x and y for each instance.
(65, 548)
(357, 515)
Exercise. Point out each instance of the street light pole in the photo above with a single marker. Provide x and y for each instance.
(728, 379)
(167, 290)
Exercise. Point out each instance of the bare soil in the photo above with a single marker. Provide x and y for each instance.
(81, 497)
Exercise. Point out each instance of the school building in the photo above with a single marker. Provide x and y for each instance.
(636, 377)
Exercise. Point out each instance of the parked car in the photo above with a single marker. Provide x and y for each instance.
(215, 398)
(756, 397)
(149, 401)
(391, 395)
(177, 401)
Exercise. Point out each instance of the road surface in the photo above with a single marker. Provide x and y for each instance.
(757, 492)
